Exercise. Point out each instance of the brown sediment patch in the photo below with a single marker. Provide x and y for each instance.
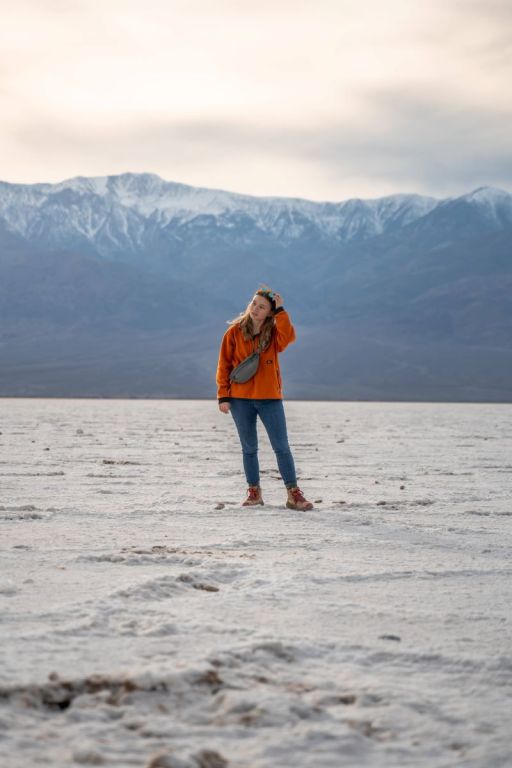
(58, 694)
(186, 578)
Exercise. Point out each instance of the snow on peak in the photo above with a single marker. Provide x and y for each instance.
(494, 204)
(81, 184)
(117, 208)
(488, 195)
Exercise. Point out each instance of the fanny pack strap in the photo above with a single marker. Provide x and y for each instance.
(259, 347)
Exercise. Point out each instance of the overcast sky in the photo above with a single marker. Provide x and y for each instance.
(322, 99)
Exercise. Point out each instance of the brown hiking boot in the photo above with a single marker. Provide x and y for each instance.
(253, 496)
(296, 500)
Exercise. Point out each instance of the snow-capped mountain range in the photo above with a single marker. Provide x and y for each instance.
(121, 285)
(130, 212)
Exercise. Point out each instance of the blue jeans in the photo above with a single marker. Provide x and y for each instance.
(271, 413)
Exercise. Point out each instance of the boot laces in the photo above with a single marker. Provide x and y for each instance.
(297, 494)
(253, 493)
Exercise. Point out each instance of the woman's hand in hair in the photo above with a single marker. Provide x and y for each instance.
(224, 407)
(278, 300)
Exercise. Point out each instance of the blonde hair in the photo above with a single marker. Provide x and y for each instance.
(244, 320)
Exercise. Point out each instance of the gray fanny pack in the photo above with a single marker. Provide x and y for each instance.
(247, 368)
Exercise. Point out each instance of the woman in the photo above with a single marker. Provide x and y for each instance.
(265, 324)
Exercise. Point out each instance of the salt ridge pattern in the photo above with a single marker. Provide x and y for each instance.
(149, 620)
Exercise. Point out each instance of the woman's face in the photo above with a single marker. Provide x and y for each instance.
(260, 308)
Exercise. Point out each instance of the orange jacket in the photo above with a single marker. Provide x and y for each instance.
(266, 383)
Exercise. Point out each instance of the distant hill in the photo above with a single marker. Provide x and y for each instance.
(121, 286)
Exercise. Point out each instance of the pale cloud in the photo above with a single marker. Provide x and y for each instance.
(323, 100)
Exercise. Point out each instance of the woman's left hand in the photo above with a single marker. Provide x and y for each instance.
(278, 300)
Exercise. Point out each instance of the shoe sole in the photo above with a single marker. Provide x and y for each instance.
(253, 504)
(299, 509)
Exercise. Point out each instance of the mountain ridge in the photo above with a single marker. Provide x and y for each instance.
(111, 286)
(153, 198)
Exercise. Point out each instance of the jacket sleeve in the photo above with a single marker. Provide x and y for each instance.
(284, 330)
(225, 365)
